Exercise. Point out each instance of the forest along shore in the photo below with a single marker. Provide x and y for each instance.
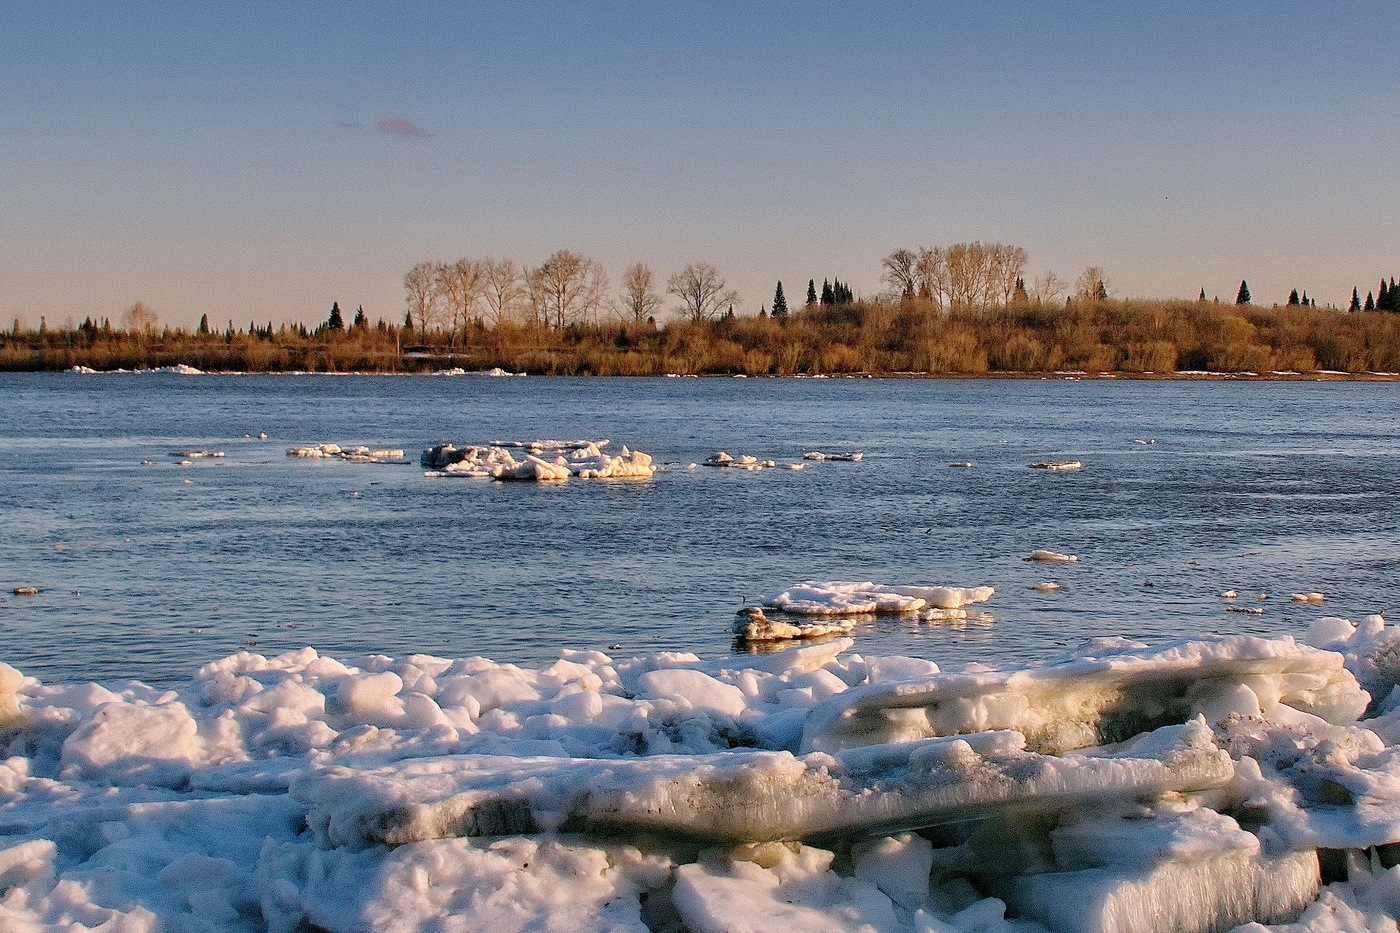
(908, 337)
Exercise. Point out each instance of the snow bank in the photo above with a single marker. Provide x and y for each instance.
(584, 459)
(1187, 787)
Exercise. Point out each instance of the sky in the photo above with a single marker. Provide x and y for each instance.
(258, 161)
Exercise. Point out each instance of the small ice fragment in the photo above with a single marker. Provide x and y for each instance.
(1308, 597)
(26, 591)
(1047, 586)
(961, 463)
(1229, 594)
(1057, 465)
(751, 625)
(794, 466)
(1053, 555)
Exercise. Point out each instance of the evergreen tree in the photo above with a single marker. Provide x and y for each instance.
(334, 322)
(1243, 298)
(1019, 296)
(1306, 303)
(780, 308)
(828, 297)
(361, 322)
(1202, 299)
(1293, 297)
(203, 324)
(1355, 300)
(1370, 302)
(811, 292)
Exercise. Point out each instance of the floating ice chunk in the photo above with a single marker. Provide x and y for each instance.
(1308, 597)
(961, 463)
(197, 454)
(850, 455)
(843, 598)
(1057, 465)
(81, 370)
(740, 795)
(946, 597)
(358, 454)
(1090, 700)
(584, 459)
(1053, 555)
(1229, 594)
(750, 624)
(1047, 586)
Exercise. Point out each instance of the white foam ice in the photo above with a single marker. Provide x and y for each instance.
(1183, 787)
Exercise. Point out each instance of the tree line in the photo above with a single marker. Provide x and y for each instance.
(965, 309)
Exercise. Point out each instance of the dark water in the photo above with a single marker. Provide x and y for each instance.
(149, 571)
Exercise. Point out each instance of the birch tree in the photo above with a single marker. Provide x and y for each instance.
(421, 295)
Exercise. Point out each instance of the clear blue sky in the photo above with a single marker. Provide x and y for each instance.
(260, 160)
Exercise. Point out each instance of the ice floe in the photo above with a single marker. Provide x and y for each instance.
(1188, 787)
(583, 459)
(850, 455)
(1058, 465)
(751, 625)
(357, 454)
(817, 598)
(1053, 556)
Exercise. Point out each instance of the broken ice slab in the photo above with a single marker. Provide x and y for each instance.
(1090, 701)
(1201, 895)
(741, 795)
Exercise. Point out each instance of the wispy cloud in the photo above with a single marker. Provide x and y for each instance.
(401, 127)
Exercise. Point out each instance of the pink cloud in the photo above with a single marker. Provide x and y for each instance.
(401, 127)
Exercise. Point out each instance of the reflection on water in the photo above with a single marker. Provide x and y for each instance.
(150, 570)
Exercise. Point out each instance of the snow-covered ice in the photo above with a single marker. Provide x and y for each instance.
(1184, 787)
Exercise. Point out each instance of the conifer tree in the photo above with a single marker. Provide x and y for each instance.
(1202, 299)
(1293, 297)
(1370, 302)
(827, 296)
(1244, 297)
(1355, 300)
(811, 292)
(203, 324)
(334, 322)
(361, 322)
(1385, 299)
(780, 308)
(1019, 296)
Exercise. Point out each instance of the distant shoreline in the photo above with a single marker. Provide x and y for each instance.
(1063, 376)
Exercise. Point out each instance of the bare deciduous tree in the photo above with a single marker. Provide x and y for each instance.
(961, 277)
(1047, 288)
(639, 296)
(567, 288)
(140, 318)
(421, 294)
(1092, 285)
(901, 272)
(503, 290)
(701, 290)
(460, 284)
